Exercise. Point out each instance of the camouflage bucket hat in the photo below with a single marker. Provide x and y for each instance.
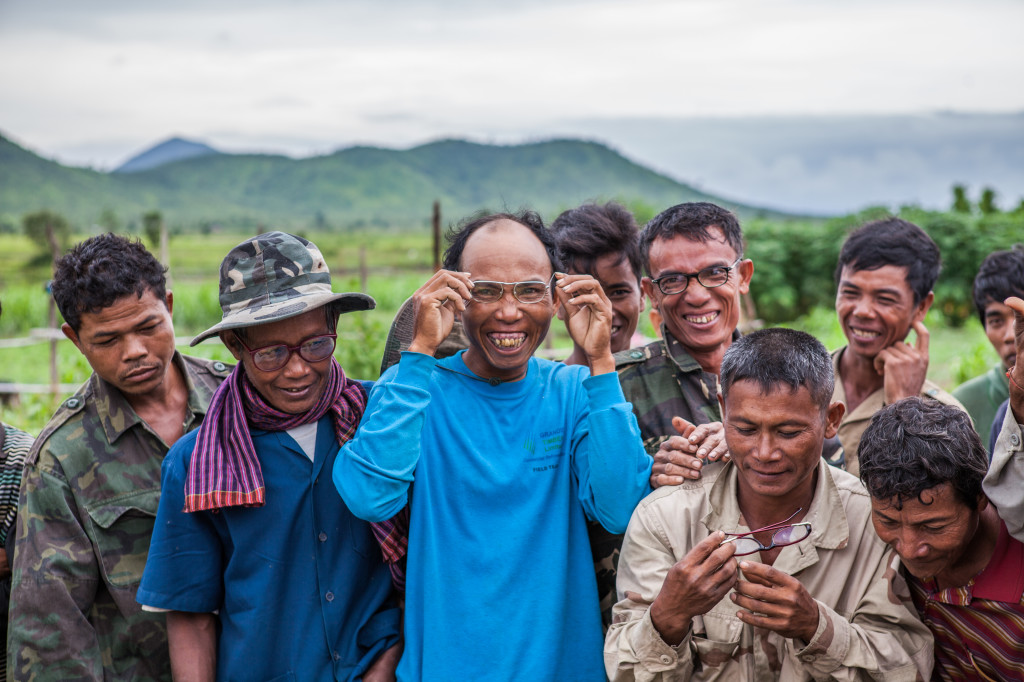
(273, 277)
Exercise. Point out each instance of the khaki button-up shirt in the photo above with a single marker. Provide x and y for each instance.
(867, 627)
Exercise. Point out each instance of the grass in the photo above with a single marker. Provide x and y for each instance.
(396, 264)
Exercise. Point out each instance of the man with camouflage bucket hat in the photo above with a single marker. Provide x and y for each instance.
(92, 481)
(265, 572)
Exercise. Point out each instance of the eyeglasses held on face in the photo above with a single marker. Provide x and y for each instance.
(709, 278)
(272, 358)
(785, 534)
(533, 291)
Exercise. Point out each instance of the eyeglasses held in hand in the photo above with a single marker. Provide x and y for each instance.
(709, 278)
(272, 358)
(785, 534)
(533, 291)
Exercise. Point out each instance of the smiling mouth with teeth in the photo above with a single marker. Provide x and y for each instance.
(507, 340)
(864, 334)
(702, 319)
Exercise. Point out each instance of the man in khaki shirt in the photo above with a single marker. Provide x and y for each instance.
(884, 281)
(816, 596)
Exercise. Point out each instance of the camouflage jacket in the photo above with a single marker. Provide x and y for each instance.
(663, 381)
(868, 628)
(86, 511)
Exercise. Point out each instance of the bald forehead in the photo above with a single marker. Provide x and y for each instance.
(508, 235)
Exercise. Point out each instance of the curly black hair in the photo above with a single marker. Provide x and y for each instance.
(916, 444)
(102, 269)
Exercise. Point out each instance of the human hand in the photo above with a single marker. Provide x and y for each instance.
(903, 366)
(693, 586)
(1017, 371)
(435, 304)
(775, 601)
(588, 315)
(681, 457)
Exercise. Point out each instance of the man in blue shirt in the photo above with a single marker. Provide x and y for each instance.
(265, 573)
(501, 457)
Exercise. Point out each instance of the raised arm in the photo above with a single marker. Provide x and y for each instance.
(609, 458)
(1005, 478)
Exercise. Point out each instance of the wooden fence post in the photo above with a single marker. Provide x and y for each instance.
(436, 223)
(51, 237)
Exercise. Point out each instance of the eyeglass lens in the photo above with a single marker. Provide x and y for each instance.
(709, 278)
(315, 349)
(525, 292)
(790, 535)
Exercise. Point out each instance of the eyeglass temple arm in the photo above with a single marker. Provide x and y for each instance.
(769, 527)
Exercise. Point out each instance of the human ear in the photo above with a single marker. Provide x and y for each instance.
(230, 341)
(833, 418)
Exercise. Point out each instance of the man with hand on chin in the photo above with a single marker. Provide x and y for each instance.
(501, 457)
(767, 567)
(884, 281)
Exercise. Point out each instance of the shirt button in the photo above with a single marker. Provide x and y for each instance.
(666, 659)
(1014, 440)
(219, 366)
(323, 537)
(337, 656)
(329, 596)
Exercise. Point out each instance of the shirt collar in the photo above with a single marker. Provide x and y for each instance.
(679, 354)
(116, 414)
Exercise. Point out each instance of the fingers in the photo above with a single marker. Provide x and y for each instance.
(672, 467)
(708, 546)
(684, 427)
(921, 344)
(1017, 304)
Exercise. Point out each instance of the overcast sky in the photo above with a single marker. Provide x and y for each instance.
(94, 81)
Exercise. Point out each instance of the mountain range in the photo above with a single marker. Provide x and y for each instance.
(193, 184)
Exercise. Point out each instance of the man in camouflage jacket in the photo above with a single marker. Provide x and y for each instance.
(676, 377)
(92, 480)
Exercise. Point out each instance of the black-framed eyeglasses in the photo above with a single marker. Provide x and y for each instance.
(272, 358)
(531, 291)
(785, 534)
(709, 278)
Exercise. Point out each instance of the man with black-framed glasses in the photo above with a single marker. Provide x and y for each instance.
(264, 572)
(767, 567)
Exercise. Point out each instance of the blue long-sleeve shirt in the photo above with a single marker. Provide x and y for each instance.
(500, 578)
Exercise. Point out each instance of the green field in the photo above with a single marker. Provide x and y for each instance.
(396, 264)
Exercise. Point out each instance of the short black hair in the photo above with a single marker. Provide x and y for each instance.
(692, 220)
(916, 444)
(775, 356)
(893, 241)
(458, 236)
(587, 232)
(95, 273)
(1000, 276)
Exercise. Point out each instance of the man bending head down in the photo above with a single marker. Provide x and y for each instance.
(502, 458)
(923, 464)
(767, 567)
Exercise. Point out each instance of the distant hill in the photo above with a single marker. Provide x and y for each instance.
(351, 188)
(168, 151)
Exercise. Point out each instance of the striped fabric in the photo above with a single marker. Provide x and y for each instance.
(14, 446)
(978, 628)
(225, 472)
